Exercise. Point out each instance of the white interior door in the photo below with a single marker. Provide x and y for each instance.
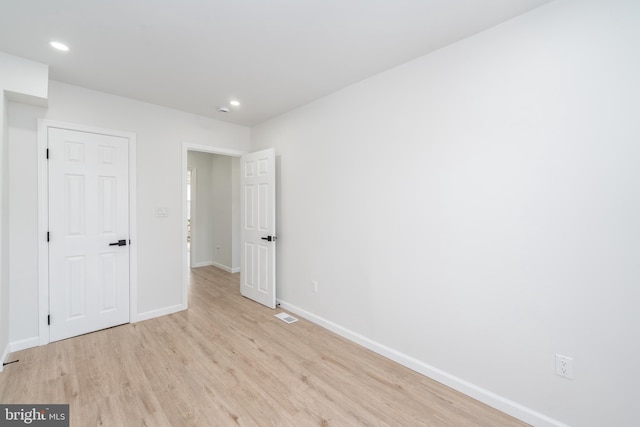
(258, 230)
(89, 232)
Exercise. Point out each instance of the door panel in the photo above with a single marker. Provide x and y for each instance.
(258, 275)
(88, 211)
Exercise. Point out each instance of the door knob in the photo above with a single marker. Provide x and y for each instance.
(269, 238)
(119, 243)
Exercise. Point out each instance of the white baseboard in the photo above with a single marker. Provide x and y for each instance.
(225, 268)
(216, 264)
(485, 396)
(24, 344)
(202, 264)
(158, 312)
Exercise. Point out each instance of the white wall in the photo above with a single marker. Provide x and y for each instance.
(160, 132)
(222, 220)
(202, 219)
(25, 81)
(235, 214)
(475, 211)
(23, 216)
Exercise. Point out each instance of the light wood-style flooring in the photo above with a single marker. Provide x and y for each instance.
(228, 361)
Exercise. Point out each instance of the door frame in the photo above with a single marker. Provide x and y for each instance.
(194, 203)
(186, 147)
(43, 219)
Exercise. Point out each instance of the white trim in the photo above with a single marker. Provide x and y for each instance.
(133, 228)
(225, 268)
(24, 344)
(485, 396)
(215, 264)
(43, 226)
(151, 314)
(193, 252)
(43, 219)
(201, 264)
(5, 355)
(186, 147)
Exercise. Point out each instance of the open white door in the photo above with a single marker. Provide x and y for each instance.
(89, 232)
(258, 229)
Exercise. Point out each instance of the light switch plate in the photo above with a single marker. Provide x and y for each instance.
(162, 212)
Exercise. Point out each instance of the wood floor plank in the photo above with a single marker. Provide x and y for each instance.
(227, 361)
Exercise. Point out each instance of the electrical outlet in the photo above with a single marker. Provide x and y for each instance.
(564, 366)
(314, 286)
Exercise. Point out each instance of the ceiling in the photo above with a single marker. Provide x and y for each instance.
(271, 55)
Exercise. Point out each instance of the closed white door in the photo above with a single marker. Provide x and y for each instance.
(89, 232)
(258, 230)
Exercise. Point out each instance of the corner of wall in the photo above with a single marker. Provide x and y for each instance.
(4, 282)
(25, 81)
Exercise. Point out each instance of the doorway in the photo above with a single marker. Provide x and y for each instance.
(213, 208)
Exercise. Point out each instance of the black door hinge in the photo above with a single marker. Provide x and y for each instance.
(47, 153)
(48, 319)
(47, 236)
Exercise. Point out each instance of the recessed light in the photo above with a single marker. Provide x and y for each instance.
(59, 46)
(235, 103)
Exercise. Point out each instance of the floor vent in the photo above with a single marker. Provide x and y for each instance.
(286, 317)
